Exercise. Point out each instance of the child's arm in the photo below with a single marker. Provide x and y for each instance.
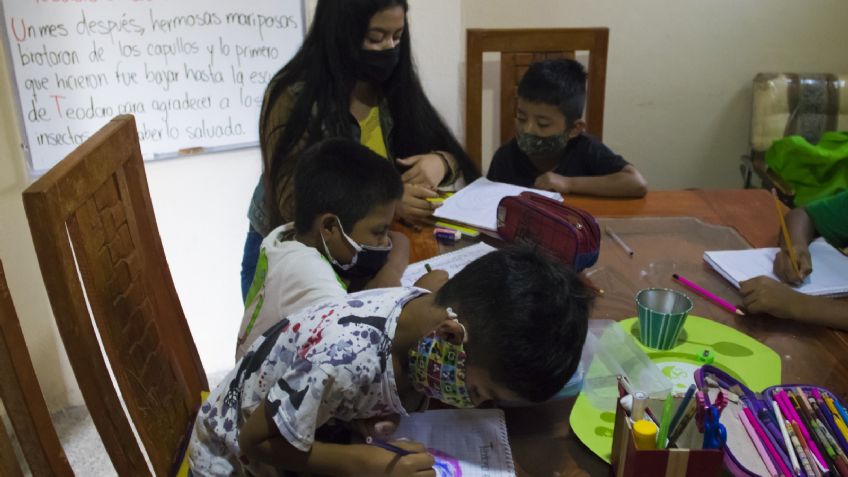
(260, 442)
(802, 231)
(392, 271)
(627, 182)
(764, 295)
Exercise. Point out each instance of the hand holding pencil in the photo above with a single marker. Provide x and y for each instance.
(783, 265)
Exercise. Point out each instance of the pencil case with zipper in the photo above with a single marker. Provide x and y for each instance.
(741, 457)
(567, 233)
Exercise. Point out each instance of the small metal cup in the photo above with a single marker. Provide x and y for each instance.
(662, 313)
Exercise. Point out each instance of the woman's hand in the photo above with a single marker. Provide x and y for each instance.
(427, 170)
(414, 208)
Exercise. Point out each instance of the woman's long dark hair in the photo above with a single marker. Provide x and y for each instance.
(326, 64)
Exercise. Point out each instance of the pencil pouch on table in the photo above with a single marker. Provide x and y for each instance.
(742, 457)
(567, 233)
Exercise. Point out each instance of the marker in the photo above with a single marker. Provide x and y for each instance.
(709, 296)
(618, 240)
(385, 445)
(664, 423)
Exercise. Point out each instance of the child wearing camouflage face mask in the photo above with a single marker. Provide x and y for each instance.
(509, 327)
(551, 150)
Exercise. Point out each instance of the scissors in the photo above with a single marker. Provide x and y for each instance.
(715, 434)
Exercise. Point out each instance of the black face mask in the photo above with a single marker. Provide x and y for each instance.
(377, 65)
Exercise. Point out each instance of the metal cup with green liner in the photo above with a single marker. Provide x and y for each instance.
(662, 313)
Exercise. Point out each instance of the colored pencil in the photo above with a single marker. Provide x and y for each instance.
(786, 440)
(799, 449)
(758, 444)
(786, 239)
(682, 408)
(385, 445)
(804, 436)
(766, 442)
(708, 295)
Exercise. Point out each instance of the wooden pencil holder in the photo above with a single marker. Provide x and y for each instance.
(628, 461)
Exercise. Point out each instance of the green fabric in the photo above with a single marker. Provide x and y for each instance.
(830, 216)
(813, 171)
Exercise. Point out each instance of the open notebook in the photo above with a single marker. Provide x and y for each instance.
(451, 262)
(465, 442)
(477, 204)
(830, 267)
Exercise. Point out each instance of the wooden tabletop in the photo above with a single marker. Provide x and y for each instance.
(540, 436)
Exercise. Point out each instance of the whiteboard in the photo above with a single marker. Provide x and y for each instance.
(192, 72)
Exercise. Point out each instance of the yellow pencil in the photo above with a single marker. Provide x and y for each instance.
(786, 239)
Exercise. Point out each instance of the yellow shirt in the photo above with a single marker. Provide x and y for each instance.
(371, 134)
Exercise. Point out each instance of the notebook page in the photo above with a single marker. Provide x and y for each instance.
(451, 262)
(465, 442)
(477, 204)
(830, 267)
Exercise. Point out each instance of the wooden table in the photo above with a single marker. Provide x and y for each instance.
(540, 436)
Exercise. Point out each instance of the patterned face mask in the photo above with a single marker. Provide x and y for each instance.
(437, 367)
(534, 145)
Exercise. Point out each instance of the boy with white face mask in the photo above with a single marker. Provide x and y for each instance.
(508, 327)
(345, 198)
(551, 150)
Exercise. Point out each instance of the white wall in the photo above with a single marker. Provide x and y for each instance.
(679, 74)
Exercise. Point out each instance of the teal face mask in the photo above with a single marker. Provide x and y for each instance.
(437, 368)
(534, 145)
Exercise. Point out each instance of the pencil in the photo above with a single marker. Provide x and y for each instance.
(708, 295)
(618, 240)
(786, 440)
(758, 444)
(385, 445)
(786, 239)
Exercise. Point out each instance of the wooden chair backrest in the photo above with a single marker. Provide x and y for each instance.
(102, 261)
(24, 402)
(519, 48)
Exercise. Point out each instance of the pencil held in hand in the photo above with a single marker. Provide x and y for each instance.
(786, 240)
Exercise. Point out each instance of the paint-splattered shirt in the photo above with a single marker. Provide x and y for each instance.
(330, 361)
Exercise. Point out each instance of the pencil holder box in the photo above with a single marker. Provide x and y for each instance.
(628, 461)
(741, 457)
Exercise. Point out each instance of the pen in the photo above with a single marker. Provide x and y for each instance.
(708, 295)
(428, 268)
(618, 240)
(385, 445)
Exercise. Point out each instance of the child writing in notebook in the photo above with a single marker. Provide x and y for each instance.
(353, 77)
(345, 196)
(827, 217)
(509, 327)
(551, 151)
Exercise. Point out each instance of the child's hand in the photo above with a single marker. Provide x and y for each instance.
(432, 280)
(380, 427)
(426, 170)
(377, 461)
(414, 207)
(783, 265)
(765, 295)
(552, 182)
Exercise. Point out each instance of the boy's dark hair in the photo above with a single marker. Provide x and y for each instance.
(342, 177)
(527, 318)
(560, 83)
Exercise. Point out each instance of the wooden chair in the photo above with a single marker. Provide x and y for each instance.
(114, 301)
(24, 402)
(519, 48)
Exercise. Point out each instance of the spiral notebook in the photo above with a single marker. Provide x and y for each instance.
(465, 442)
(830, 267)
